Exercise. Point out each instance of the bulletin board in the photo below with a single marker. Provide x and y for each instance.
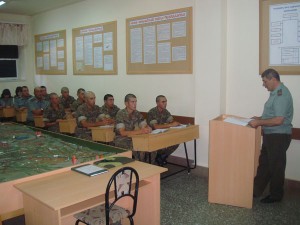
(50, 53)
(280, 36)
(95, 49)
(160, 43)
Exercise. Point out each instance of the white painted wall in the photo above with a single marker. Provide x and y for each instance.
(226, 63)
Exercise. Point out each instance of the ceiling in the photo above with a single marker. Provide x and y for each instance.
(33, 7)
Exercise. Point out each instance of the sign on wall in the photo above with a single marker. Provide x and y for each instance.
(279, 36)
(160, 43)
(95, 49)
(50, 53)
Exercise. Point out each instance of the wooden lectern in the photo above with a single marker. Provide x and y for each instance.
(233, 160)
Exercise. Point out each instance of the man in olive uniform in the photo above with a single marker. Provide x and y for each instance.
(53, 112)
(66, 99)
(109, 109)
(88, 115)
(160, 118)
(79, 101)
(276, 122)
(129, 122)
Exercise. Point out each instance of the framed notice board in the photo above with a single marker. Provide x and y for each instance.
(50, 53)
(280, 36)
(95, 49)
(160, 43)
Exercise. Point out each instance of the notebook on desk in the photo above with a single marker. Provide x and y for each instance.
(113, 161)
(89, 170)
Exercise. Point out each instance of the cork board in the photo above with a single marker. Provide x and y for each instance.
(279, 45)
(50, 53)
(160, 43)
(95, 49)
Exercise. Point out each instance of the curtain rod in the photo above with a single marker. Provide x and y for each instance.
(13, 22)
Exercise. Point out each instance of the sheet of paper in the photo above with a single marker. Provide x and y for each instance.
(238, 121)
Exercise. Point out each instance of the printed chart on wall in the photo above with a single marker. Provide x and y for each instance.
(280, 36)
(160, 43)
(95, 49)
(50, 53)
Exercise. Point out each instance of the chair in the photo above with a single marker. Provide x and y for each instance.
(120, 185)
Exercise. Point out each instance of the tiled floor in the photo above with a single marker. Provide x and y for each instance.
(184, 202)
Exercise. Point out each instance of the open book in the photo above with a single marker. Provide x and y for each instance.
(89, 170)
(238, 121)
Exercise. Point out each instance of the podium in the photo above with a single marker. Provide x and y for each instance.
(233, 160)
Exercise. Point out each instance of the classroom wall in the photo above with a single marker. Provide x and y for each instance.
(25, 68)
(226, 64)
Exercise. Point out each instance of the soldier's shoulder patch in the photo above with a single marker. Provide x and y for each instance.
(279, 92)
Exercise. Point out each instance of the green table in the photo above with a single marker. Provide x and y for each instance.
(27, 151)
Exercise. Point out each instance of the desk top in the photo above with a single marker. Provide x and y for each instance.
(69, 188)
(173, 136)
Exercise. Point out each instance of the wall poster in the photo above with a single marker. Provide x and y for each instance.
(160, 43)
(95, 49)
(280, 36)
(50, 53)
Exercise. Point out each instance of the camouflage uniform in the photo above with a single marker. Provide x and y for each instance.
(75, 105)
(51, 115)
(91, 116)
(156, 117)
(66, 102)
(129, 122)
(111, 112)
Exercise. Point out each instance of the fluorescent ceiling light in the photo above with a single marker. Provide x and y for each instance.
(2, 2)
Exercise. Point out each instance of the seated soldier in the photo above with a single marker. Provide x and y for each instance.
(109, 109)
(88, 115)
(129, 122)
(6, 100)
(66, 99)
(53, 112)
(46, 96)
(79, 101)
(22, 102)
(160, 118)
(36, 106)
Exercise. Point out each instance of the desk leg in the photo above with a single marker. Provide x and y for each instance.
(187, 167)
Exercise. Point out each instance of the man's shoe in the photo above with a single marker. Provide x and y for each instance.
(269, 199)
(164, 158)
(159, 160)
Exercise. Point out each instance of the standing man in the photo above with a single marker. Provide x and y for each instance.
(160, 118)
(130, 122)
(88, 115)
(109, 109)
(276, 122)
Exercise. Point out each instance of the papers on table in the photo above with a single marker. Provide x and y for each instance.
(107, 126)
(157, 131)
(238, 121)
(180, 126)
(89, 170)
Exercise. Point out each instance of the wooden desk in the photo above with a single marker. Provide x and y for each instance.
(55, 199)
(103, 134)
(174, 136)
(67, 126)
(7, 112)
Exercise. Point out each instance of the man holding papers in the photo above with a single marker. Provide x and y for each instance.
(276, 122)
